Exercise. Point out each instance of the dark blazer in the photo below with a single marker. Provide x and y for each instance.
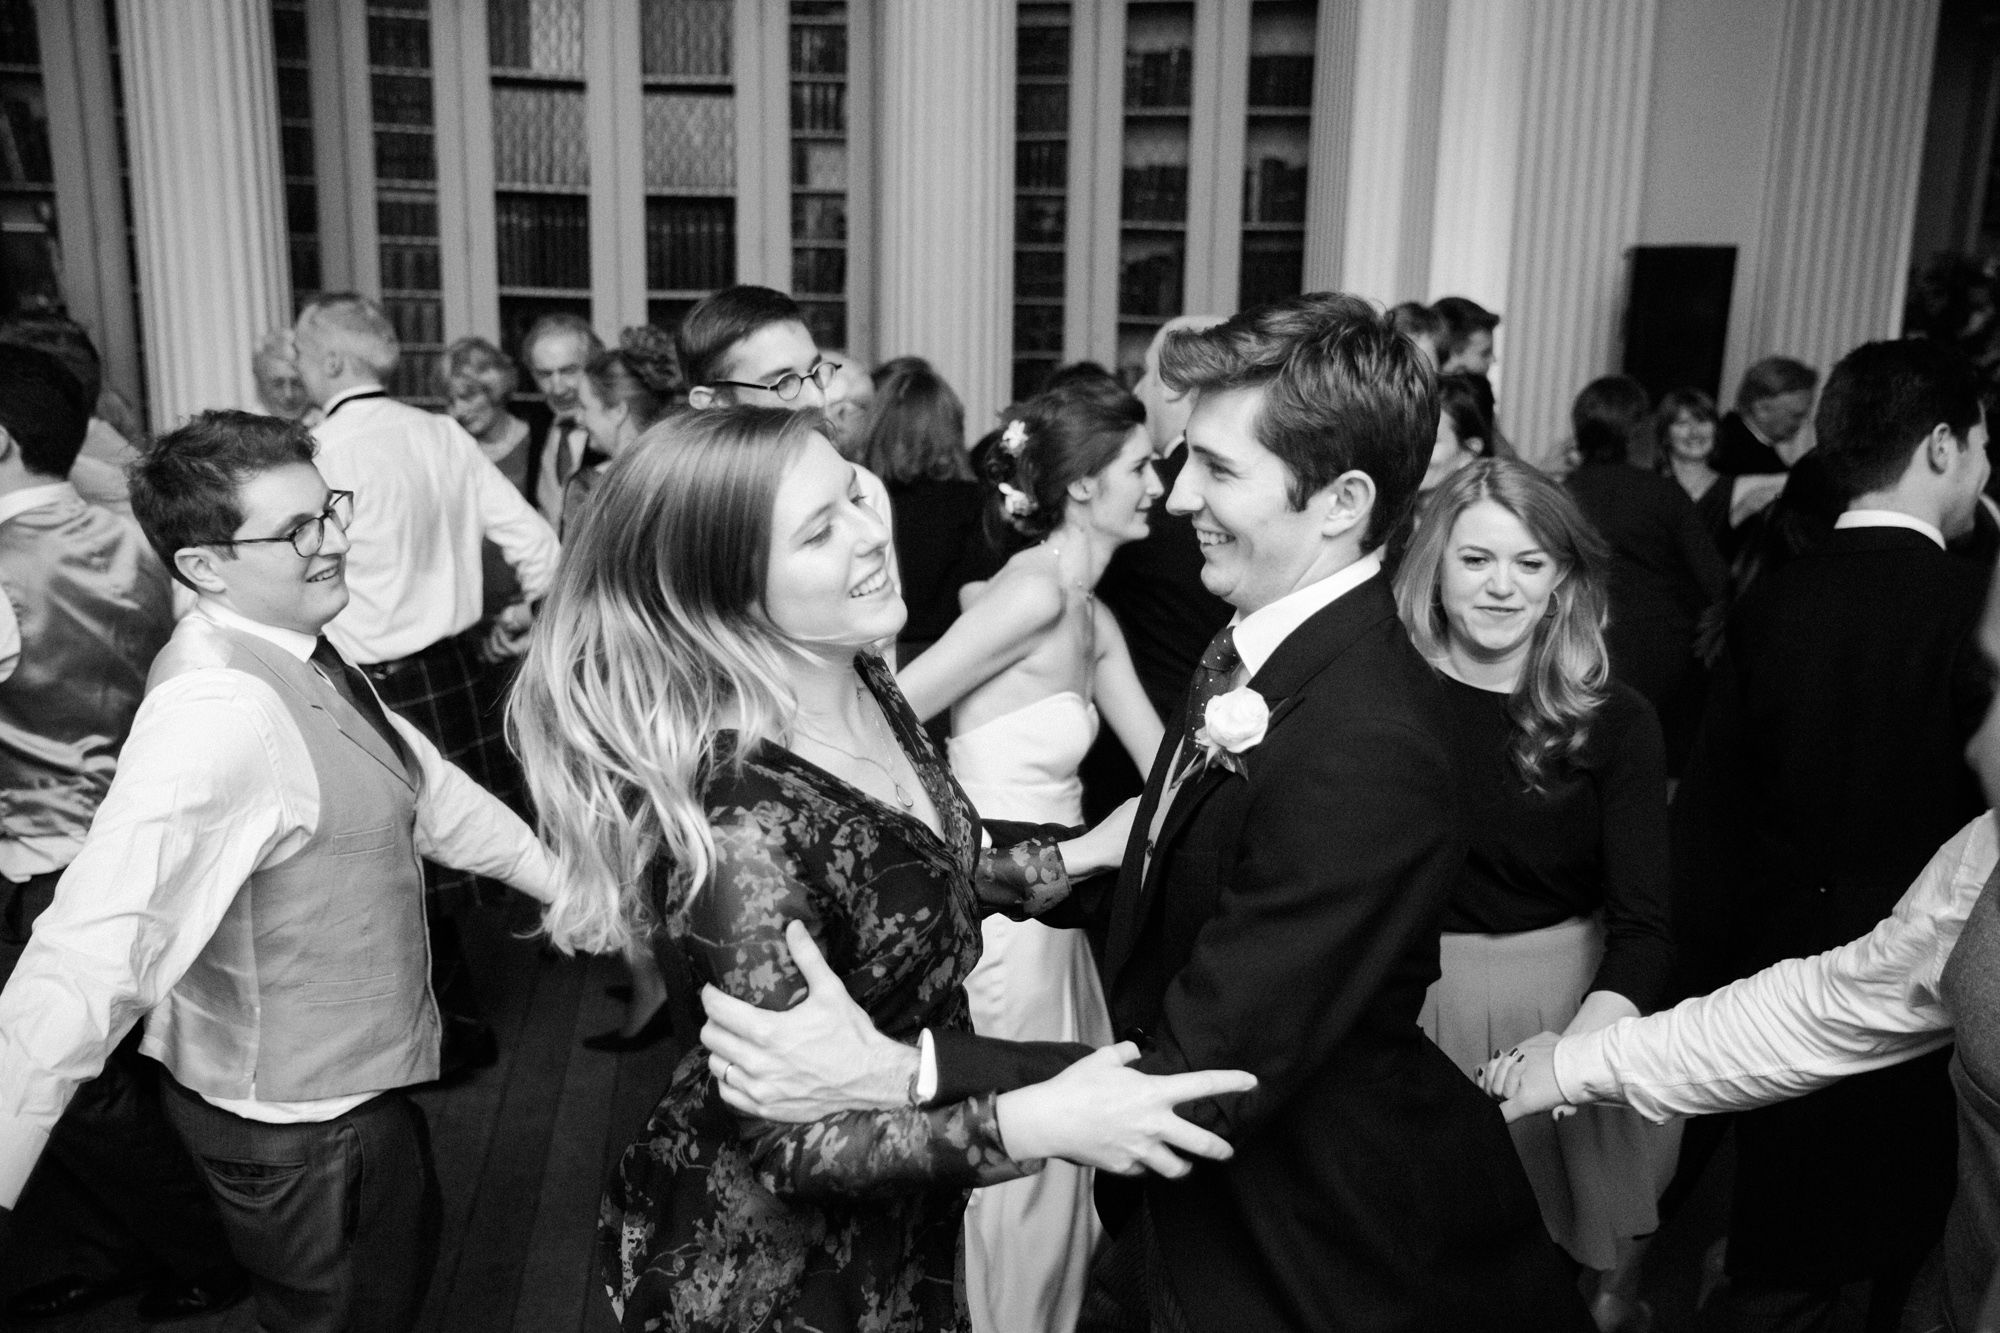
(940, 547)
(1829, 767)
(1288, 924)
(1738, 452)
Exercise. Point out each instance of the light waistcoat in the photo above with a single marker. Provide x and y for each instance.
(317, 982)
(94, 606)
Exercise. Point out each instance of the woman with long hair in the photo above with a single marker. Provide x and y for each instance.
(718, 757)
(1559, 920)
(1026, 672)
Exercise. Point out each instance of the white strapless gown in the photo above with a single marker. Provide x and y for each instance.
(1028, 1242)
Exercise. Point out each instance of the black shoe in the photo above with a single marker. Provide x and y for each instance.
(656, 1029)
(66, 1295)
(173, 1298)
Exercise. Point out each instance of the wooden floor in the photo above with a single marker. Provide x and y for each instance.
(522, 1151)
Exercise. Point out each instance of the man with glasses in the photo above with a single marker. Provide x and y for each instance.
(424, 498)
(251, 886)
(751, 345)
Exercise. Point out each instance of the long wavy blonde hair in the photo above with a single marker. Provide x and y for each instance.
(651, 643)
(1568, 672)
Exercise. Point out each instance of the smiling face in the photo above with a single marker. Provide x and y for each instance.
(1495, 585)
(556, 361)
(473, 405)
(828, 586)
(269, 582)
(1255, 547)
(1121, 495)
(1691, 438)
(768, 354)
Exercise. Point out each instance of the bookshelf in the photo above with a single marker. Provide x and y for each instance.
(1277, 143)
(1156, 156)
(820, 166)
(1045, 46)
(291, 45)
(30, 262)
(403, 125)
(688, 111)
(541, 161)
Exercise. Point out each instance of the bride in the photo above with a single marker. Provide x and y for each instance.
(1026, 671)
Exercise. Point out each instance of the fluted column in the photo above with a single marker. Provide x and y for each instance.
(1399, 65)
(947, 170)
(1576, 214)
(201, 118)
(1841, 197)
(1479, 147)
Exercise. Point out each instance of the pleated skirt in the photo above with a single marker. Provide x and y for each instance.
(1598, 1174)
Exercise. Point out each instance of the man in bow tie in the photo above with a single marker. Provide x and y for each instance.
(1280, 902)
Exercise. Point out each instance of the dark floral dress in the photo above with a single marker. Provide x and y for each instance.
(715, 1221)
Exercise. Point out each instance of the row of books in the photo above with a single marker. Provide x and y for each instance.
(1040, 220)
(1156, 193)
(1038, 328)
(543, 240)
(400, 99)
(828, 322)
(819, 218)
(1151, 287)
(1041, 108)
(24, 143)
(1041, 166)
(819, 107)
(405, 155)
(406, 217)
(400, 41)
(1042, 50)
(1274, 191)
(690, 243)
(684, 37)
(1159, 78)
(819, 50)
(416, 376)
(410, 267)
(1038, 273)
(418, 319)
(288, 32)
(819, 271)
(1281, 80)
(819, 166)
(304, 247)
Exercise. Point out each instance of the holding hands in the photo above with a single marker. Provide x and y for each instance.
(1523, 1080)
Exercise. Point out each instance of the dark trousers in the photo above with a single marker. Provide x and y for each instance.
(336, 1221)
(115, 1193)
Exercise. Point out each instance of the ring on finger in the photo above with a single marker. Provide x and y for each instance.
(727, 1070)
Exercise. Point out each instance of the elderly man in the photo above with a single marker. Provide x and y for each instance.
(557, 349)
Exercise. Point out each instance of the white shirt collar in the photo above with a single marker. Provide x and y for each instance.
(34, 497)
(1889, 518)
(298, 645)
(1258, 634)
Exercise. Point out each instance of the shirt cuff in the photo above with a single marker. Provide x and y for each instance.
(927, 1068)
(1582, 1074)
(21, 1144)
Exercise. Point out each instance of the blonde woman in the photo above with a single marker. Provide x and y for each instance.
(1559, 918)
(723, 764)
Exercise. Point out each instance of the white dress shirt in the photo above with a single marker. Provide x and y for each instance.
(1889, 518)
(215, 783)
(1802, 1023)
(1258, 634)
(424, 495)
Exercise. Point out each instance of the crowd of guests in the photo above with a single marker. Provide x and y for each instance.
(1117, 856)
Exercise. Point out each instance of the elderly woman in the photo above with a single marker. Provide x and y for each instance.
(478, 380)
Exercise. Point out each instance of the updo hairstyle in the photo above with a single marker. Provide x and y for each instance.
(1059, 436)
(642, 372)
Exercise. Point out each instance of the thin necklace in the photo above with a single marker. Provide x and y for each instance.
(1062, 568)
(903, 795)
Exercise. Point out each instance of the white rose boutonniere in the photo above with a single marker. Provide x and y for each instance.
(1232, 725)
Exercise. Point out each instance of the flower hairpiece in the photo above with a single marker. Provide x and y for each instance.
(1018, 502)
(1014, 439)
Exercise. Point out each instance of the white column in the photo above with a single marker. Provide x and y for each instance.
(947, 170)
(201, 115)
(1479, 146)
(1580, 173)
(1399, 59)
(1841, 197)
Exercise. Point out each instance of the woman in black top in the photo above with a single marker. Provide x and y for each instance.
(915, 442)
(1560, 916)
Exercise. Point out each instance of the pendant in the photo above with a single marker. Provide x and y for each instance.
(909, 801)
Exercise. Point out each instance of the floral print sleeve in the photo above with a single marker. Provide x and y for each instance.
(1021, 874)
(735, 935)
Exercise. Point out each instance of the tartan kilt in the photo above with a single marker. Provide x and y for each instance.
(443, 692)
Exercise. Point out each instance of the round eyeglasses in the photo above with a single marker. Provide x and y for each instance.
(787, 385)
(309, 537)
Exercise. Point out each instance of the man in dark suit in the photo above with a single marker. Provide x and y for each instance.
(1761, 436)
(1828, 769)
(1153, 586)
(1279, 904)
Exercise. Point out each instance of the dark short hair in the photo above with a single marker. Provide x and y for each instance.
(66, 341)
(917, 426)
(1470, 411)
(1608, 417)
(1074, 371)
(184, 488)
(1881, 400)
(1414, 319)
(719, 321)
(1462, 317)
(1343, 391)
(1772, 376)
(1070, 432)
(44, 408)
